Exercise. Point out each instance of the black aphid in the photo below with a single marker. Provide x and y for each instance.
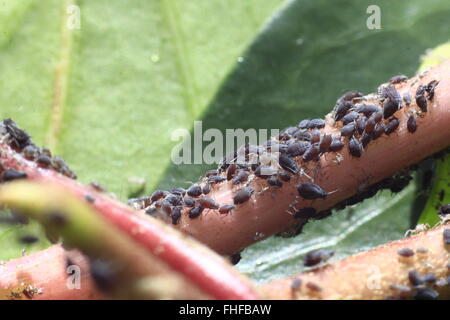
(411, 124)
(243, 195)
(429, 278)
(178, 191)
(274, 182)
(398, 79)
(226, 208)
(365, 139)
(313, 258)
(378, 130)
(297, 148)
(235, 258)
(44, 161)
(350, 117)
(316, 123)
(174, 200)
(391, 126)
(325, 142)
(407, 98)
(158, 194)
(430, 88)
(102, 273)
(89, 198)
(166, 207)
(19, 138)
(216, 179)
(9, 175)
(231, 171)
(287, 163)
(262, 171)
(367, 109)
(445, 209)
(305, 213)
(28, 239)
(194, 190)
(350, 95)
(213, 172)
(348, 130)
(446, 235)
(240, 177)
(303, 135)
(207, 202)
(195, 212)
(30, 152)
(392, 103)
(284, 176)
(405, 252)
(189, 202)
(415, 278)
(360, 124)
(311, 191)
(176, 215)
(421, 100)
(336, 145)
(425, 294)
(341, 109)
(303, 124)
(355, 147)
(312, 153)
(315, 136)
(206, 188)
(370, 125)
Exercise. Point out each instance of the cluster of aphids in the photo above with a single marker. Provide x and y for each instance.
(21, 142)
(277, 159)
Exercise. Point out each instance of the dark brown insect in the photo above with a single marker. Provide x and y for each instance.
(391, 126)
(313, 258)
(166, 207)
(315, 136)
(9, 175)
(231, 171)
(316, 123)
(367, 109)
(430, 88)
(360, 124)
(274, 182)
(336, 145)
(446, 235)
(97, 186)
(206, 188)
(178, 191)
(444, 210)
(103, 274)
(405, 252)
(425, 294)
(19, 138)
(28, 239)
(392, 103)
(350, 117)
(89, 198)
(305, 213)
(216, 179)
(226, 208)
(158, 194)
(350, 95)
(355, 147)
(189, 202)
(243, 195)
(176, 215)
(430, 278)
(341, 109)
(398, 79)
(415, 278)
(207, 202)
(311, 191)
(365, 139)
(378, 130)
(240, 177)
(297, 148)
(325, 142)
(174, 200)
(284, 176)
(312, 153)
(407, 98)
(348, 130)
(411, 124)
(195, 212)
(44, 161)
(210, 173)
(303, 124)
(288, 164)
(370, 125)
(235, 258)
(194, 190)
(421, 100)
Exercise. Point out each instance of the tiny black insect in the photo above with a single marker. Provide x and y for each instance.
(415, 278)
(365, 139)
(311, 191)
(378, 130)
(430, 88)
(176, 215)
(341, 109)
(174, 200)
(189, 202)
(89, 198)
(425, 294)
(235, 258)
(210, 173)
(398, 79)
(355, 147)
(350, 95)
(313, 258)
(288, 164)
(243, 195)
(360, 123)
(158, 194)
(348, 130)
(350, 117)
(445, 209)
(411, 124)
(30, 152)
(274, 182)
(207, 202)
(325, 142)
(303, 135)
(28, 239)
(316, 123)
(44, 161)
(231, 171)
(312, 153)
(336, 145)
(9, 175)
(297, 148)
(206, 188)
(303, 124)
(240, 177)
(405, 252)
(194, 190)
(226, 208)
(195, 212)
(216, 179)
(421, 100)
(315, 136)
(178, 191)
(391, 126)
(430, 278)
(407, 98)
(102, 273)
(367, 109)
(370, 125)
(305, 213)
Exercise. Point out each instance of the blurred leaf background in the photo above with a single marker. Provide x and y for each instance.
(107, 96)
